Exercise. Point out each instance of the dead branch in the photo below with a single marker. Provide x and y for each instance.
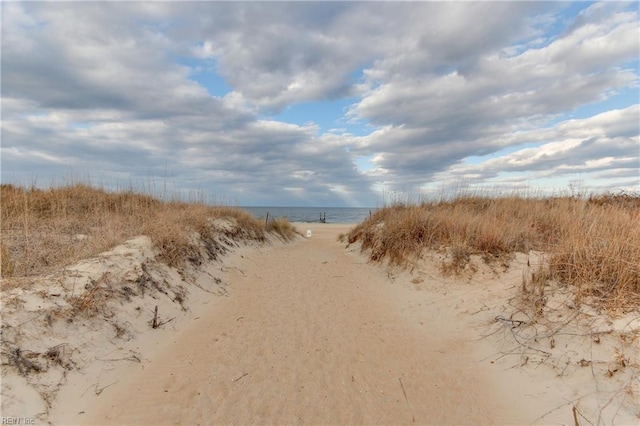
(22, 363)
(155, 323)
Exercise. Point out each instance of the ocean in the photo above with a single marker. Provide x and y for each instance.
(313, 214)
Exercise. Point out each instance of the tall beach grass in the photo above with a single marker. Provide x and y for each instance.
(44, 229)
(592, 244)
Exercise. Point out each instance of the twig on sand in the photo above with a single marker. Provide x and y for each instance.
(238, 378)
(22, 362)
(98, 391)
(407, 399)
(574, 410)
(512, 323)
(155, 318)
(155, 323)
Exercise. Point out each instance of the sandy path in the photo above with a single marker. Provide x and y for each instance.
(310, 334)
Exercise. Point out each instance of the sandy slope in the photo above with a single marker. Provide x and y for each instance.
(313, 335)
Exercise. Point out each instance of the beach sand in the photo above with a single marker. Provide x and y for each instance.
(312, 333)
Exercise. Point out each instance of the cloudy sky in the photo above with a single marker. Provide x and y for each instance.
(322, 104)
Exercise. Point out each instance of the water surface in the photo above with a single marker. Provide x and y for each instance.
(314, 214)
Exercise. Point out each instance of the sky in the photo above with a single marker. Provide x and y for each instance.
(353, 104)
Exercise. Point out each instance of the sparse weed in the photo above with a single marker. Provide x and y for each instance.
(533, 289)
(283, 228)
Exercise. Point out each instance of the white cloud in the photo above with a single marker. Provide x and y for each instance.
(432, 122)
(572, 147)
(110, 87)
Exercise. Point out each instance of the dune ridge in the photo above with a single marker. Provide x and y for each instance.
(309, 332)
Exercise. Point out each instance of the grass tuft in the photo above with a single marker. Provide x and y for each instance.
(593, 244)
(45, 229)
(283, 228)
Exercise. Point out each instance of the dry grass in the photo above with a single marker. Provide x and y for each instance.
(46, 229)
(283, 228)
(593, 244)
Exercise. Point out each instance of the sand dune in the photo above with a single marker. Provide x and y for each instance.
(311, 333)
(305, 337)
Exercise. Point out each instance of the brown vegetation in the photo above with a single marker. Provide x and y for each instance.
(43, 229)
(592, 244)
(283, 228)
